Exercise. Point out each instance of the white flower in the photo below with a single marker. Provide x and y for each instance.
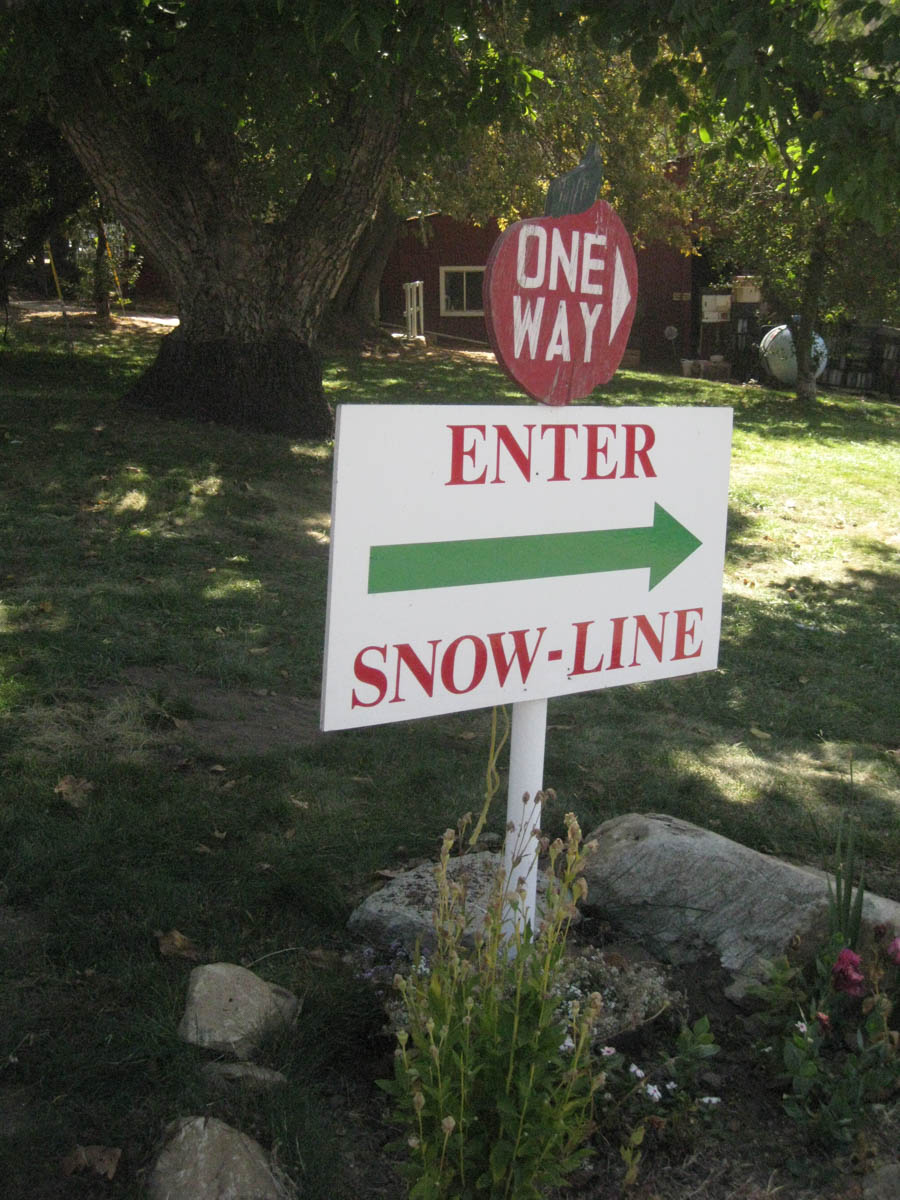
(608, 1051)
(800, 1026)
(653, 1091)
(711, 1101)
(568, 1044)
(636, 1071)
(671, 1086)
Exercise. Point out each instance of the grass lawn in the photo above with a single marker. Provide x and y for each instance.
(162, 591)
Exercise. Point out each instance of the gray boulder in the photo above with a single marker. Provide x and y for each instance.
(686, 894)
(205, 1159)
(231, 1010)
(401, 911)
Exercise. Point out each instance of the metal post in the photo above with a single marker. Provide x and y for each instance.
(523, 812)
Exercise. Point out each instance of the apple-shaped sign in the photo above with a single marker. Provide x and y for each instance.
(559, 299)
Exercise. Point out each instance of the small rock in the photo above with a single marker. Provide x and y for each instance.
(230, 1009)
(255, 1079)
(205, 1159)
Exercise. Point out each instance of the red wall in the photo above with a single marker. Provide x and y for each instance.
(664, 298)
(427, 244)
(423, 247)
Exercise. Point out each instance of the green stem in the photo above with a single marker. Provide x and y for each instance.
(522, 1114)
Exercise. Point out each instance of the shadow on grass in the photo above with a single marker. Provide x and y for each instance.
(160, 543)
(798, 723)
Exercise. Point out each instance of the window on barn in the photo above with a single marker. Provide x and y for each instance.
(461, 291)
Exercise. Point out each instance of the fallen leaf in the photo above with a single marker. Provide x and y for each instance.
(74, 791)
(387, 873)
(217, 769)
(221, 834)
(467, 736)
(202, 848)
(361, 779)
(176, 945)
(264, 866)
(760, 733)
(99, 1159)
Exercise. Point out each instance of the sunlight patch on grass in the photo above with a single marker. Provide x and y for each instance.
(226, 589)
(317, 452)
(318, 527)
(210, 486)
(120, 730)
(133, 501)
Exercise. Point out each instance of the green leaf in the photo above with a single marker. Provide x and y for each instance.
(500, 1158)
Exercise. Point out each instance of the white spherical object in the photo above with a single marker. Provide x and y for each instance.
(777, 352)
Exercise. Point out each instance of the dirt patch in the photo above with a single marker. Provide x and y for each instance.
(220, 722)
(37, 312)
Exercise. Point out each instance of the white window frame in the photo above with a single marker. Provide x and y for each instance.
(457, 312)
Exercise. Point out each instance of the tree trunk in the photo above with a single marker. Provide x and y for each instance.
(251, 293)
(803, 329)
(101, 280)
(354, 308)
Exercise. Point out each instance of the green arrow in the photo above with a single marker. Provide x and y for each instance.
(661, 546)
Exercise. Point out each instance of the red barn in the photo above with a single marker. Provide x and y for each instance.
(449, 257)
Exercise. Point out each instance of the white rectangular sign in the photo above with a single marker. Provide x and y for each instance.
(491, 554)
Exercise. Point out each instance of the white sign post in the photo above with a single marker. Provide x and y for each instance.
(489, 555)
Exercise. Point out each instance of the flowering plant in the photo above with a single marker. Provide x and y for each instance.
(828, 1032)
(660, 1098)
(493, 1089)
(846, 975)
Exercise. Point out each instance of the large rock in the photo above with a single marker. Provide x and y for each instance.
(686, 894)
(205, 1159)
(401, 912)
(231, 1010)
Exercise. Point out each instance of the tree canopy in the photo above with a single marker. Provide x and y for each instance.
(248, 143)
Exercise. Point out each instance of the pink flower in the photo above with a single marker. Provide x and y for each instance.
(846, 975)
(894, 951)
(824, 1022)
